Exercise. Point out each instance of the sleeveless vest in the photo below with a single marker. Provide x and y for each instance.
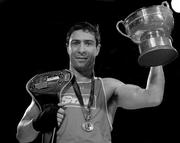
(71, 130)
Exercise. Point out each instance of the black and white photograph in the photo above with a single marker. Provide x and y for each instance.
(90, 71)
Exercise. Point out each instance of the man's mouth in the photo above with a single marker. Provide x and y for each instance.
(81, 58)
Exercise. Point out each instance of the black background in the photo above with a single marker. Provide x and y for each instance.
(33, 41)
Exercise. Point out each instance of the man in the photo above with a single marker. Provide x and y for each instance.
(84, 106)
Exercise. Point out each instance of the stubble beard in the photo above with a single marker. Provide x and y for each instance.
(85, 69)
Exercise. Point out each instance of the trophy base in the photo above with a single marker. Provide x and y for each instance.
(156, 50)
(155, 57)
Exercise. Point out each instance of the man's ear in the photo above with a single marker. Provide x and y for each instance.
(68, 49)
(98, 49)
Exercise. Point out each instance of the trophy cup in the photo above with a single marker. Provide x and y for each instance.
(151, 28)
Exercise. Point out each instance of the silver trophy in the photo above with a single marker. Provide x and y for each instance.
(151, 28)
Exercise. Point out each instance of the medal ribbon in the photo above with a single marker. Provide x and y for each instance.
(86, 112)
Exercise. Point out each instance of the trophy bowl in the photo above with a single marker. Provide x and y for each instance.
(151, 29)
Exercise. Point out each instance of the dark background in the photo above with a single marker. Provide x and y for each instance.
(33, 41)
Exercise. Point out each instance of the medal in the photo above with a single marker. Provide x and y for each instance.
(87, 126)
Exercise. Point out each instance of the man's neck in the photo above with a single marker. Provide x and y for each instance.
(82, 76)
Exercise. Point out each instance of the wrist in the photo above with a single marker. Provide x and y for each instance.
(46, 120)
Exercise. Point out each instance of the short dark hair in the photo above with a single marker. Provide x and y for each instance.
(85, 26)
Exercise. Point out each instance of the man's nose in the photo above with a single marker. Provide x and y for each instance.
(82, 48)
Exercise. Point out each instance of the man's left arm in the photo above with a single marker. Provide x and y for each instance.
(155, 84)
(134, 97)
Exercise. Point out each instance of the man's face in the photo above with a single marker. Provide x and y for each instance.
(82, 50)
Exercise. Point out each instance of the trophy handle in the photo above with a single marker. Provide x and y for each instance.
(165, 3)
(117, 27)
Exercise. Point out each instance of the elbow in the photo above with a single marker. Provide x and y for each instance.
(155, 96)
(23, 135)
(19, 137)
(18, 133)
(156, 101)
(22, 139)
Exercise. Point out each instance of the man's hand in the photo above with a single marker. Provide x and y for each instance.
(46, 120)
(60, 114)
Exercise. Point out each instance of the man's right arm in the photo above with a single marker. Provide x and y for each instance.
(25, 131)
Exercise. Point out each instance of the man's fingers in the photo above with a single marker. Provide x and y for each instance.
(60, 104)
(60, 113)
(61, 110)
(61, 116)
(59, 121)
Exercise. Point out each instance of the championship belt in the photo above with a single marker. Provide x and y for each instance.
(151, 28)
(44, 88)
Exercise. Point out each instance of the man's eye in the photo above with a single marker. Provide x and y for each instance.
(75, 43)
(89, 43)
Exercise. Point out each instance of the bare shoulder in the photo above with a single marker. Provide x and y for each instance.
(109, 80)
(110, 85)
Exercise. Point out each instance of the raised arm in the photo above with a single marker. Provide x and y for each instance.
(134, 97)
(25, 131)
